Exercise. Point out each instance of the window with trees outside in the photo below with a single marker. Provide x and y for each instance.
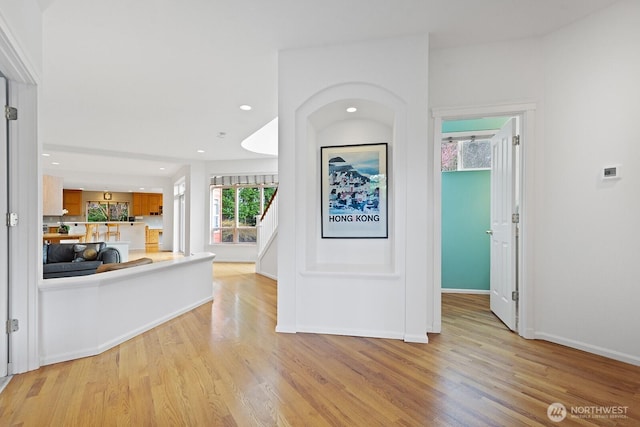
(465, 154)
(235, 211)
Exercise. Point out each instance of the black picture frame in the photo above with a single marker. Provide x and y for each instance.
(354, 198)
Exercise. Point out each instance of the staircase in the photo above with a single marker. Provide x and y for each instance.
(267, 240)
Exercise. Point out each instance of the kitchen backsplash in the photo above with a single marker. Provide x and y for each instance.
(152, 221)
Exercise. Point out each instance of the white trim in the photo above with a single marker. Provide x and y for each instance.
(527, 111)
(267, 275)
(623, 357)
(470, 112)
(24, 240)
(14, 63)
(25, 263)
(365, 333)
(465, 291)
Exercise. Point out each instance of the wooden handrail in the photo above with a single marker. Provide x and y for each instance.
(273, 196)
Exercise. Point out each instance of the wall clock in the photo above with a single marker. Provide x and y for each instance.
(107, 196)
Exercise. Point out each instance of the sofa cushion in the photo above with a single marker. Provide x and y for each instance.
(84, 253)
(69, 269)
(90, 254)
(60, 253)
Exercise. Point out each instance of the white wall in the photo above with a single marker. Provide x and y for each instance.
(587, 284)
(583, 241)
(315, 294)
(237, 252)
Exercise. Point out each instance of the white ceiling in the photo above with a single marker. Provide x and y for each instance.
(132, 86)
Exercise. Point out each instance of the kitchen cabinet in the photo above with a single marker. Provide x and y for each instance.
(153, 236)
(155, 204)
(52, 195)
(140, 204)
(72, 202)
(147, 204)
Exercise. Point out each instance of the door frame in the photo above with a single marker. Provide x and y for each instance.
(526, 112)
(25, 198)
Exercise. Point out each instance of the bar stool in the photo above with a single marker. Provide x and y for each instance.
(112, 230)
(91, 233)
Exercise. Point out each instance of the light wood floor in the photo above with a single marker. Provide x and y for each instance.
(222, 364)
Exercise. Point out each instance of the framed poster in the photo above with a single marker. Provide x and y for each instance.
(354, 191)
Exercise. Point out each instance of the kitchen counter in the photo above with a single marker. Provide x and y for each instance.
(132, 232)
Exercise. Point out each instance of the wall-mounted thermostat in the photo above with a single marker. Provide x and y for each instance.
(611, 172)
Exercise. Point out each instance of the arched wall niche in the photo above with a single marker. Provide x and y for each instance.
(323, 121)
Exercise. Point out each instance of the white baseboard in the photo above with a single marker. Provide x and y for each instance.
(353, 332)
(421, 339)
(270, 276)
(589, 348)
(465, 291)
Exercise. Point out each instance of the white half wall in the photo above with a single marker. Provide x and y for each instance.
(87, 315)
(384, 294)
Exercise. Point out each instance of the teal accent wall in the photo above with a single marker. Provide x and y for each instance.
(466, 198)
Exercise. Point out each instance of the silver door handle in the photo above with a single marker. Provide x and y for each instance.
(489, 232)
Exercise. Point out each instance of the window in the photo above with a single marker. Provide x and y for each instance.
(465, 154)
(107, 211)
(234, 211)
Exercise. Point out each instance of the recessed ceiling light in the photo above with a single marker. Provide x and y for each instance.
(55, 163)
(161, 169)
(352, 110)
(245, 107)
(141, 188)
(45, 154)
(200, 151)
(222, 134)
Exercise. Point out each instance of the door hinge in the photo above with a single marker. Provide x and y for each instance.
(515, 218)
(516, 140)
(12, 325)
(10, 113)
(515, 295)
(12, 219)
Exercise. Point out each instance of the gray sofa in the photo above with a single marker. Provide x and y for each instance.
(76, 259)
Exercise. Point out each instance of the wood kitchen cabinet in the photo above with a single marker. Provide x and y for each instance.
(140, 204)
(52, 195)
(145, 204)
(72, 202)
(155, 204)
(153, 236)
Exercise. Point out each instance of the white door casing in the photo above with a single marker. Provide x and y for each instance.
(4, 239)
(503, 228)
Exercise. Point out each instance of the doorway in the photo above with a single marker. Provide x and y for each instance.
(475, 127)
(478, 196)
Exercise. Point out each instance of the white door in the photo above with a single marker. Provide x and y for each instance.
(502, 232)
(4, 239)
